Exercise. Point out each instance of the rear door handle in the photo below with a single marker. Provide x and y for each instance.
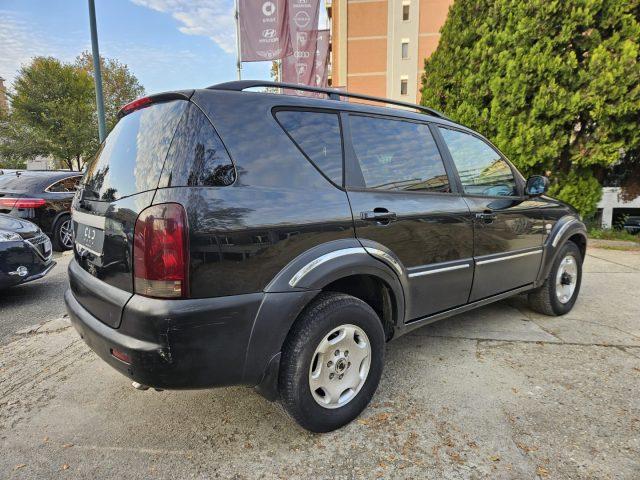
(379, 215)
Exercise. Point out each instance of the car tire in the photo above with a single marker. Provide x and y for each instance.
(319, 386)
(559, 292)
(62, 234)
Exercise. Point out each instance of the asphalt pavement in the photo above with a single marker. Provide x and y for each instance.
(34, 302)
(496, 393)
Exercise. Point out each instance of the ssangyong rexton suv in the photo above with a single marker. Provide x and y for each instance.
(226, 236)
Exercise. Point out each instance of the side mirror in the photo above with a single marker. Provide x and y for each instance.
(536, 185)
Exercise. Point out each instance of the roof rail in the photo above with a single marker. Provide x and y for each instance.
(332, 93)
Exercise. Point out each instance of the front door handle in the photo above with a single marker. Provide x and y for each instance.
(379, 215)
(486, 217)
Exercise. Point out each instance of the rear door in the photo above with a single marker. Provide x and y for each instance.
(118, 184)
(402, 198)
(508, 226)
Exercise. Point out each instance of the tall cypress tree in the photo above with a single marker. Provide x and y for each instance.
(554, 83)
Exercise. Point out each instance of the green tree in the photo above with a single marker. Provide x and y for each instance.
(51, 114)
(119, 85)
(53, 110)
(554, 83)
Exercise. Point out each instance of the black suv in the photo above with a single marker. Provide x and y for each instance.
(226, 236)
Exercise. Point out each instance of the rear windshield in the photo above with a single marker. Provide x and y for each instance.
(19, 183)
(130, 159)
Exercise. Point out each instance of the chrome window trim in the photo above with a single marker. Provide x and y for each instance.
(94, 221)
(561, 231)
(439, 270)
(309, 267)
(508, 257)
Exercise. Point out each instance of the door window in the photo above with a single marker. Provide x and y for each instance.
(397, 155)
(317, 134)
(482, 170)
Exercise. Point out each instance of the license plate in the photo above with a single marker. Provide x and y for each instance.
(89, 238)
(46, 246)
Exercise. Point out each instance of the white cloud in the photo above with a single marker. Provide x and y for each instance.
(209, 18)
(20, 42)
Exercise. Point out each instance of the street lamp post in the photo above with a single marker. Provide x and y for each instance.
(97, 74)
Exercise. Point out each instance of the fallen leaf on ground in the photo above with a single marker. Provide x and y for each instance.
(542, 472)
(19, 466)
(65, 466)
(67, 445)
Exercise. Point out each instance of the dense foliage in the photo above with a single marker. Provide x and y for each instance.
(53, 110)
(554, 83)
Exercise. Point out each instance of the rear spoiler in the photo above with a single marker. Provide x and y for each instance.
(151, 99)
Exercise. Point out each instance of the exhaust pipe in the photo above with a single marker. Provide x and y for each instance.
(139, 386)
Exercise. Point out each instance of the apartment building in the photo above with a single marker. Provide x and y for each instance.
(378, 47)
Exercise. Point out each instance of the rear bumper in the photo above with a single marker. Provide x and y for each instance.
(174, 344)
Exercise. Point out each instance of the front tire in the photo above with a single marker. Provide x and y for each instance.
(331, 362)
(62, 234)
(559, 292)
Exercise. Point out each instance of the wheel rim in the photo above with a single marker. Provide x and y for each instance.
(66, 236)
(339, 366)
(566, 278)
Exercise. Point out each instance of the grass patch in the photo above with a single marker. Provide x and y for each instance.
(613, 234)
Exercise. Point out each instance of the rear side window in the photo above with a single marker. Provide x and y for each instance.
(197, 156)
(317, 134)
(130, 159)
(397, 155)
(65, 185)
(482, 170)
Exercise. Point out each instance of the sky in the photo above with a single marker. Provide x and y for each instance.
(167, 44)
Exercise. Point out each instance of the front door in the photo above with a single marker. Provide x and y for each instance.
(508, 227)
(402, 198)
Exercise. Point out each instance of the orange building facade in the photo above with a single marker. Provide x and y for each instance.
(378, 47)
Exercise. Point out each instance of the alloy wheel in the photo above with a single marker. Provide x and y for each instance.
(66, 234)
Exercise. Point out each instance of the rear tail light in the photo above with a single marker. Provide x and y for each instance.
(161, 252)
(10, 202)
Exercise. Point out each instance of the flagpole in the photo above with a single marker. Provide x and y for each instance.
(238, 41)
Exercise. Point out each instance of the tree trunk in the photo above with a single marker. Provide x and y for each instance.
(78, 162)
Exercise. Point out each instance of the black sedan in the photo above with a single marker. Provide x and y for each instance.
(42, 197)
(25, 252)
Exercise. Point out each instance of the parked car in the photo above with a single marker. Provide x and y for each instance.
(42, 197)
(25, 252)
(226, 236)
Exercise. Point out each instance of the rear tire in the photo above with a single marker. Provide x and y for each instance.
(62, 234)
(331, 362)
(559, 292)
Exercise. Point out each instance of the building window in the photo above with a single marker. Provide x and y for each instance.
(405, 49)
(404, 86)
(405, 12)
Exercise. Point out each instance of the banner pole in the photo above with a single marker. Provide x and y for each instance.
(238, 42)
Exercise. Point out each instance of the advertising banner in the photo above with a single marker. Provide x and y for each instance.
(264, 30)
(308, 64)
